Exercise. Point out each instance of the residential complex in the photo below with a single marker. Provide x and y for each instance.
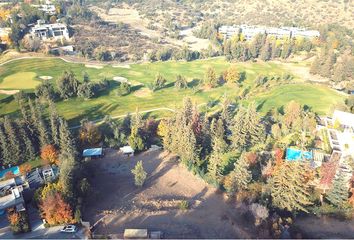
(56, 31)
(250, 31)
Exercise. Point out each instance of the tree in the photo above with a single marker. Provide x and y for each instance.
(67, 159)
(49, 155)
(124, 89)
(181, 82)
(289, 187)
(339, 193)
(247, 129)
(266, 51)
(55, 210)
(45, 91)
(67, 85)
(25, 168)
(232, 75)
(54, 123)
(159, 82)
(139, 174)
(86, 90)
(89, 135)
(210, 78)
(240, 177)
(14, 144)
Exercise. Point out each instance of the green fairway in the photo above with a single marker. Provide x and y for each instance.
(318, 98)
(20, 80)
(141, 74)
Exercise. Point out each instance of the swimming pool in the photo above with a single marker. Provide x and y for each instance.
(15, 170)
(296, 154)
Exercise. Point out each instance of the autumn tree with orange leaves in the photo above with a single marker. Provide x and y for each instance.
(55, 210)
(49, 155)
(25, 168)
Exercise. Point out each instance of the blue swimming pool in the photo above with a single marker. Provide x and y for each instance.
(296, 154)
(15, 170)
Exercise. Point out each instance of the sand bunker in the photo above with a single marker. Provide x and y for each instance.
(144, 92)
(120, 79)
(121, 66)
(46, 77)
(9, 92)
(94, 66)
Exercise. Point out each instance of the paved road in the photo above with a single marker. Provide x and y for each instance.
(45, 233)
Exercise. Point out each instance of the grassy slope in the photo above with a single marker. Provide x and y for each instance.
(318, 97)
(109, 103)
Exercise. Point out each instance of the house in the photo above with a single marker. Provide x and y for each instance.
(4, 35)
(340, 131)
(55, 31)
(11, 194)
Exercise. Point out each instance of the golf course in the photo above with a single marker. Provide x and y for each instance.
(26, 74)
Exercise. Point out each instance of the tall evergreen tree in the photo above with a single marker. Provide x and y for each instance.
(14, 144)
(339, 193)
(28, 151)
(289, 187)
(54, 123)
(67, 159)
(4, 148)
(240, 177)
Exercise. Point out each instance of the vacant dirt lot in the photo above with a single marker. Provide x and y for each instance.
(119, 204)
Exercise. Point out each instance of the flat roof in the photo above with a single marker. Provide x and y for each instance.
(92, 152)
(127, 149)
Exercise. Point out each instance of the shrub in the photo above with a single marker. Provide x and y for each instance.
(259, 213)
(183, 205)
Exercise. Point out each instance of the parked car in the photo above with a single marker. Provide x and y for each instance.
(69, 229)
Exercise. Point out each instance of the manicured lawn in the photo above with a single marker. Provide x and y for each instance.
(318, 98)
(20, 80)
(109, 104)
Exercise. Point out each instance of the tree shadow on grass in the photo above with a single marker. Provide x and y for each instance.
(194, 83)
(93, 113)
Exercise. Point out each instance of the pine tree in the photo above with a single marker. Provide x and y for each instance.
(28, 151)
(240, 177)
(67, 159)
(4, 148)
(266, 51)
(14, 144)
(255, 129)
(219, 147)
(289, 187)
(54, 123)
(139, 174)
(239, 135)
(339, 193)
(210, 78)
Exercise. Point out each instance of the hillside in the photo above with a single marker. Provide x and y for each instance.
(310, 13)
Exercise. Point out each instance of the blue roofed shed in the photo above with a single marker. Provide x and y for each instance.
(92, 152)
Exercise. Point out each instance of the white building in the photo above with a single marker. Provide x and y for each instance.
(56, 31)
(251, 31)
(47, 8)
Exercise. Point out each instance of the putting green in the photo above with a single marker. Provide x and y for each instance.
(20, 80)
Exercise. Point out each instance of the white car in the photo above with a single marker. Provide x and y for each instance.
(69, 229)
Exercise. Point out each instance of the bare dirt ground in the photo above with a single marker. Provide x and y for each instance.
(325, 228)
(119, 204)
(9, 92)
(131, 16)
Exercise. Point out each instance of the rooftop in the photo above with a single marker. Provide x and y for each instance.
(91, 152)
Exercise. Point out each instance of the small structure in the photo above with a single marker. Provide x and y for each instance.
(48, 173)
(127, 150)
(136, 234)
(92, 152)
